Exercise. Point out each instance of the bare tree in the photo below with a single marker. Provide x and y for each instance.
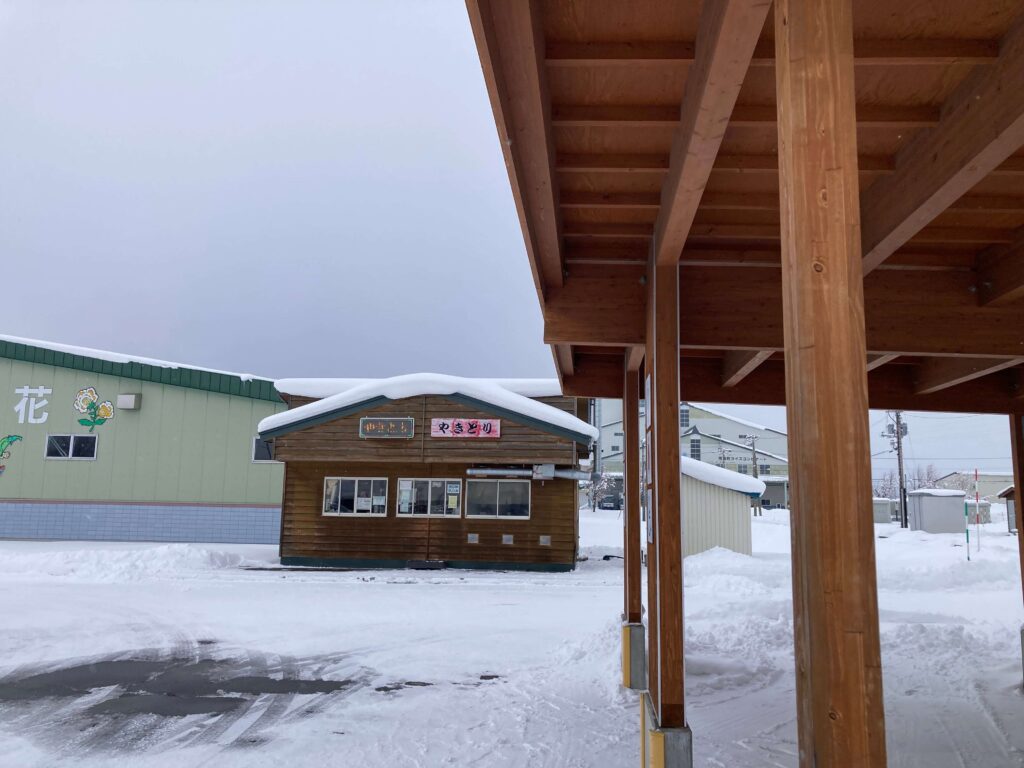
(887, 486)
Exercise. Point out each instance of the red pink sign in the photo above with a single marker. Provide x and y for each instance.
(466, 428)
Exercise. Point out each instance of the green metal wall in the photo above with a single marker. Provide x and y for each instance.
(183, 445)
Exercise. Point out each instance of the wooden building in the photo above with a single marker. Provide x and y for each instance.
(430, 470)
(815, 203)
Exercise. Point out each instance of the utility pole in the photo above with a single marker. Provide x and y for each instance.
(896, 432)
(758, 508)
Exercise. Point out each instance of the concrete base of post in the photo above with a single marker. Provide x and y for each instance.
(634, 657)
(663, 747)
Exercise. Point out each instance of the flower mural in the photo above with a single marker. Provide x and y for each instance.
(5, 444)
(87, 402)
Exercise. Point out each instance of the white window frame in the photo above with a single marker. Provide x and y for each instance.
(699, 451)
(71, 448)
(253, 453)
(398, 497)
(497, 515)
(323, 498)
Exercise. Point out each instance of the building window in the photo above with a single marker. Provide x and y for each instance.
(764, 469)
(430, 496)
(71, 447)
(617, 434)
(742, 469)
(365, 496)
(262, 451)
(684, 416)
(498, 498)
(616, 448)
(695, 448)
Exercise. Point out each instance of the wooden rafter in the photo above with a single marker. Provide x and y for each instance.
(738, 364)
(937, 373)
(725, 43)
(519, 99)
(868, 52)
(877, 361)
(982, 125)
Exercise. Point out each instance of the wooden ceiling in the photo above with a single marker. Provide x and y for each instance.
(647, 130)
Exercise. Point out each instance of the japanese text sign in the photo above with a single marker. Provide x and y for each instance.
(466, 428)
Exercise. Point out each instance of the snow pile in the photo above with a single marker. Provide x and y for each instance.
(118, 357)
(936, 492)
(418, 384)
(320, 388)
(122, 564)
(723, 478)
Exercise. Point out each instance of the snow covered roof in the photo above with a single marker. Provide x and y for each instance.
(936, 492)
(320, 388)
(983, 473)
(164, 372)
(737, 419)
(723, 478)
(694, 430)
(1006, 492)
(119, 357)
(487, 395)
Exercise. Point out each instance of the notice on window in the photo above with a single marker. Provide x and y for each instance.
(378, 501)
(466, 429)
(454, 488)
(363, 504)
(404, 495)
(453, 502)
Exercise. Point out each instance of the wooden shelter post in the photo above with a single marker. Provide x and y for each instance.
(1017, 445)
(835, 610)
(633, 661)
(667, 738)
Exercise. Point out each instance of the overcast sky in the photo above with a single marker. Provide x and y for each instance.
(291, 188)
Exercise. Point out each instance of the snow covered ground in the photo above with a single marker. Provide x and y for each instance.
(106, 647)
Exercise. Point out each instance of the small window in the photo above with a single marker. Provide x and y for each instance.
(498, 498)
(262, 451)
(742, 468)
(439, 497)
(617, 434)
(616, 448)
(355, 496)
(764, 469)
(545, 541)
(70, 447)
(684, 417)
(695, 448)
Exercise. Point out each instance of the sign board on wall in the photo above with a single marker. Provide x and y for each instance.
(487, 429)
(387, 426)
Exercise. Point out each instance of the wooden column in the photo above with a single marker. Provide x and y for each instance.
(1017, 444)
(835, 607)
(665, 552)
(631, 447)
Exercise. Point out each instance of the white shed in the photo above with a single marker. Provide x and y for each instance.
(936, 510)
(883, 509)
(716, 507)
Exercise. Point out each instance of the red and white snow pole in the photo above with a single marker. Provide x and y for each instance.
(967, 527)
(977, 510)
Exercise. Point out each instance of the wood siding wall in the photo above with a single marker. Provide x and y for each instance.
(339, 440)
(307, 533)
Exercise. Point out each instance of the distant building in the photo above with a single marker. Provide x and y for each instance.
(989, 483)
(707, 435)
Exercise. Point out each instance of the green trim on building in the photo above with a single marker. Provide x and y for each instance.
(484, 406)
(190, 378)
(357, 563)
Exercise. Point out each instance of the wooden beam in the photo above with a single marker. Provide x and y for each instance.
(510, 42)
(898, 304)
(938, 373)
(1000, 271)
(667, 681)
(662, 115)
(652, 163)
(563, 359)
(982, 125)
(867, 52)
(877, 361)
(840, 713)
(633, 613)
(728, 31)
(890, 387)
(634, 357)
(737, 365)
